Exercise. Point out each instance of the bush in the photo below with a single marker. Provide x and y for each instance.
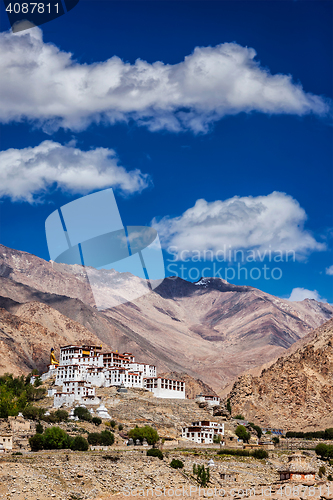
(176, 464)
(239, 417)
(36, 442)
(97, 421)
(39, 428)
(329, 478)
(154, 452)
(276, 440)
(105, 438)
(33, 413)
(203, 475)
(120, 427)
(55, 438)
(259, 453)
(321, 450)
(113, 424)
(257, 429)
(82, 413)
(145, 432)
(95, 439)
(216, 438)
(322, 471)
(242, 433)
(235, 452)
(17, 453)
(229, 406)
(79, 443)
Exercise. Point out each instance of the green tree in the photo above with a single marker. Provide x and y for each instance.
(242, 433)
(95, 439)
(329, 433)
(97, 421)
(155, 452)
(120, 427)
(107, 438)
(146, 432)
(229, 406)
(82, 413)
(321, 450)
(176, 464)
(79, 443)
(36, 442)
(259, 453)
(113, 423)
(55, 439)
(39, 428)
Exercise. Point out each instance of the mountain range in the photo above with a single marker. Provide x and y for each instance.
(211, 330)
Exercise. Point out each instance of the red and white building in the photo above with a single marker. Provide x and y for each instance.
(82, 368)
(203, 432)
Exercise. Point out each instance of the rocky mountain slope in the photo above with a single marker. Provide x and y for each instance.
(295, 392)
(211, 330)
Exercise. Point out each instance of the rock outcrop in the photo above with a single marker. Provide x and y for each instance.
(295, 392)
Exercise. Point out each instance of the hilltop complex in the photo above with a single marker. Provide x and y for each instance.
(82, 368)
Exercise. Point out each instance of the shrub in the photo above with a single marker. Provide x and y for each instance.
(95, 439)
(79, 443)
(113, 424)
(176, 464)
(61, 415)
(105, 438)
(276, 440)
(39, 428)
(322, 471)
(120, 427)
(239, 417)
(55, 438)
(329, 478)
(216, 438)
(203, 475)
(83, 413)
(229, 406)
(321, 450)
(259, 453)
(257, 429)
(235, 452)
(33, 413)
(97, 421)
(36, 442)
(242, 433)
(154, 452)
(145, 432)
(17, 453)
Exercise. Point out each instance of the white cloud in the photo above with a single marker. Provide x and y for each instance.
(42, 83)
(329, 270)
(27, 173)
(299, 294)
(274, 222)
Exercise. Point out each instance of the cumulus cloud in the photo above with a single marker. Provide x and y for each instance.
(42, 83)
(265, 223)
(27, 173)
(299, 294)
(329, 270)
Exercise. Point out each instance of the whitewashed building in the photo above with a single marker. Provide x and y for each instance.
(82, 368)
(203, 431)
(208, 398)
(165, 388)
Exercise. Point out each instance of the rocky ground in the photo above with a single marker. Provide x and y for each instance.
(66, 475)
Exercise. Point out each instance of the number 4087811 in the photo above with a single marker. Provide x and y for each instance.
(31, 8)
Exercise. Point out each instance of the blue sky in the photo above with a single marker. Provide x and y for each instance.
(226, 126)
